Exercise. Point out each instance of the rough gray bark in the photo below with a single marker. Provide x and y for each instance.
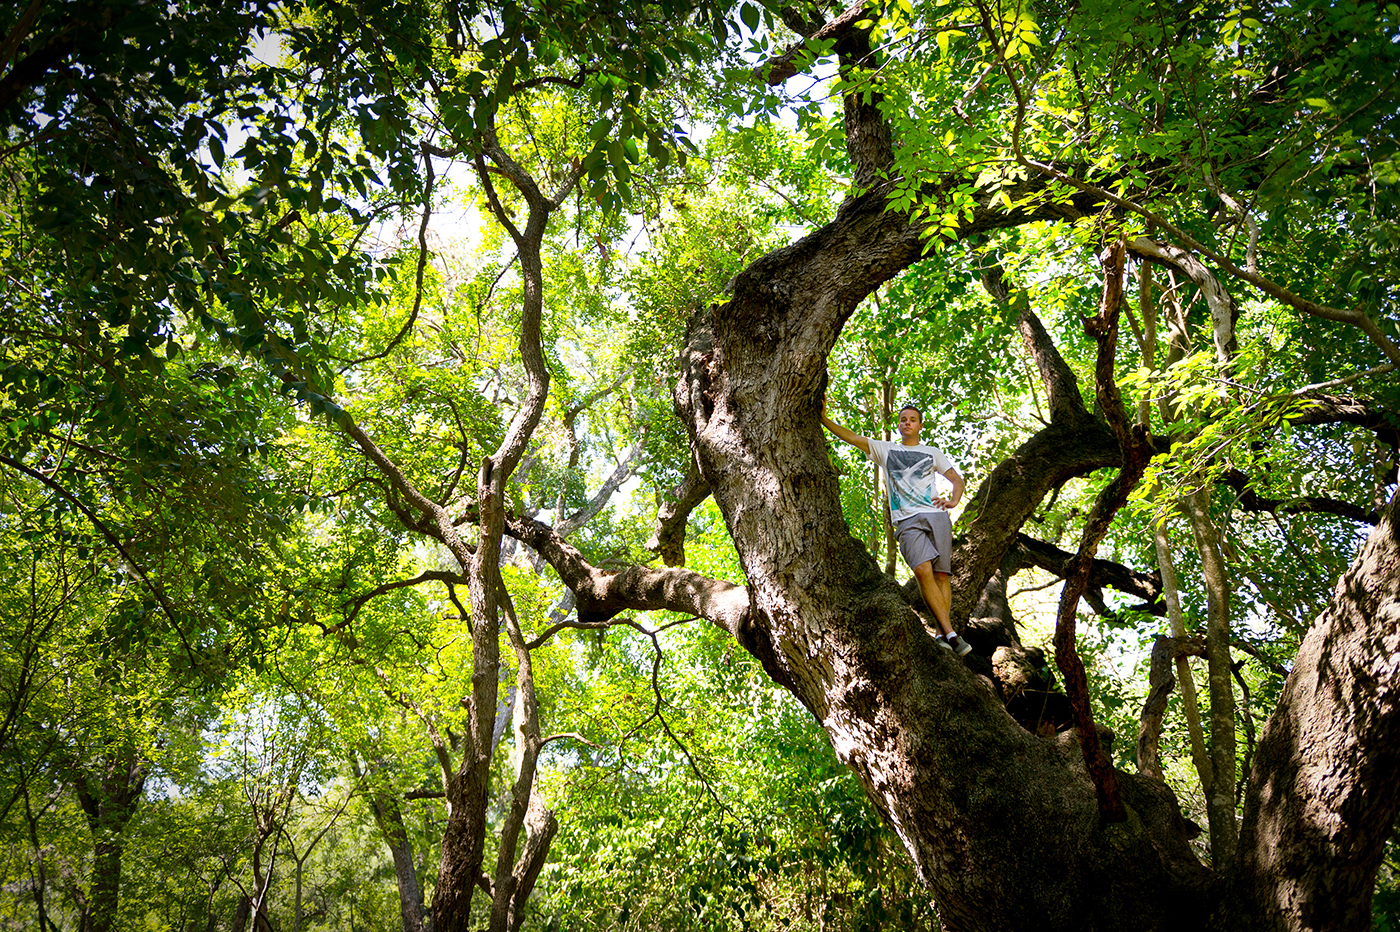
(1323, 792)
(1003, 826)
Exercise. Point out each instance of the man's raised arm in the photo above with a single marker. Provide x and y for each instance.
(854, 439)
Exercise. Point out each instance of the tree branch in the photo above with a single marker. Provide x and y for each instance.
(1061, 384)
(1165, 651)
(668, 537)
(600, 498)
(359, 601)
(1136, 450)
(1146, 586)
(1251, 501)
(422, 265)
(777, 70)
(602, 594)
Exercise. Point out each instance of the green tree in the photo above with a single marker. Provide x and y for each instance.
(981, 142)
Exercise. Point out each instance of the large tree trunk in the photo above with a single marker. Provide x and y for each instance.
(1002, 825)
(1323, 790)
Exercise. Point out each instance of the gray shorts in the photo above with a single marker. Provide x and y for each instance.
(928, 535)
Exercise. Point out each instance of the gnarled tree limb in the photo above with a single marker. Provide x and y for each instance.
(601, 594)
(668, 538)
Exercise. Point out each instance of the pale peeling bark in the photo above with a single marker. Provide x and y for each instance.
(1223, 309)
(525, 811)
(1323, 790)
(390, 821)
(1218, 774)
(1190, 705)
(541, 826)
(1220, 791)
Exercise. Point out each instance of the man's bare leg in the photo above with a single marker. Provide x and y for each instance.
(938, 594)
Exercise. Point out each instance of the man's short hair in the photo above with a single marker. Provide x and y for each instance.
(915, 409)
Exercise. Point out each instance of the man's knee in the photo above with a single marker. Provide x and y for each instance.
(924, 570)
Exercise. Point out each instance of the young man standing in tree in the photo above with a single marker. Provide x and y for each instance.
(919, 512)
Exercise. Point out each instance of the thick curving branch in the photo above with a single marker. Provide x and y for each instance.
(1147, 586)
(1136, 447)
(777, 70)
(602, 594)
(1343, 409)
(668, 537)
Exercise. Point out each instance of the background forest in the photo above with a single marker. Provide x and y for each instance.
(339, 343)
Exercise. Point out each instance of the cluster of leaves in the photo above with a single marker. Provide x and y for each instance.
(740, 819)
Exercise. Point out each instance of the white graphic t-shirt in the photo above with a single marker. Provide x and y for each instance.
(911, 475)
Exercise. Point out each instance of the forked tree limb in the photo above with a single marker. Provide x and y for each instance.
(668, 537)
(1161, 682)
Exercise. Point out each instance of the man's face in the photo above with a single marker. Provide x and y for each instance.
(910, 423)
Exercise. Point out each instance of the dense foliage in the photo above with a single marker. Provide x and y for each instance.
(280, 278)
